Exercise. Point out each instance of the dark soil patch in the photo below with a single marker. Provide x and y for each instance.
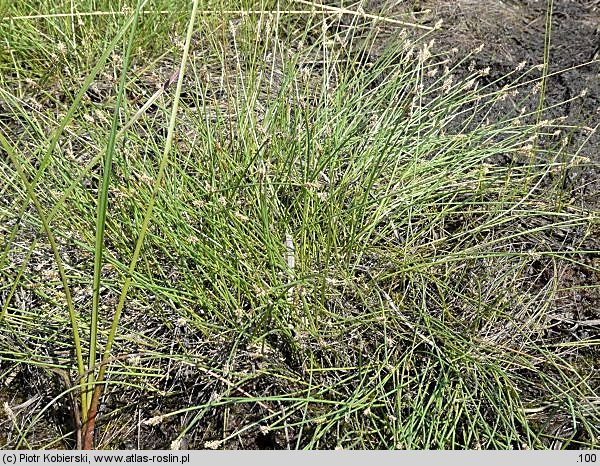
(513, 32)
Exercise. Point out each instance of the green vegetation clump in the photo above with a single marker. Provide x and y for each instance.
(284, 229)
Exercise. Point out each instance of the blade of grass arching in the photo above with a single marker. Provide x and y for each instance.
(90, 426)
(101, 211)
(53, 245)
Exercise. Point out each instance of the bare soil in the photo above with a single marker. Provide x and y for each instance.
(513, 32)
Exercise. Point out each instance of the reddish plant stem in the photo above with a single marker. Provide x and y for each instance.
(90, 425)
